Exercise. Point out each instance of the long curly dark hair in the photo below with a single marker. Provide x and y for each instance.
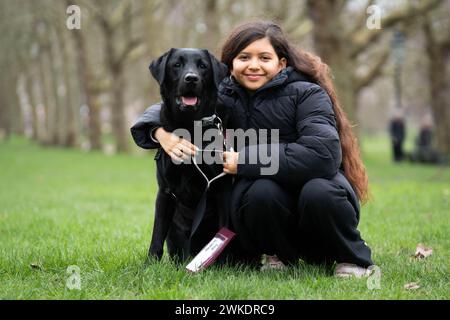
(311, 65)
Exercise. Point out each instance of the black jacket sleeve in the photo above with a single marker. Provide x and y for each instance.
(144, 125)
(315, 154)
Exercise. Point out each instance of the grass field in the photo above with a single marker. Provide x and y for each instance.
(64, 207)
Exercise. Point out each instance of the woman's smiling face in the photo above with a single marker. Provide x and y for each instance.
(257, 64)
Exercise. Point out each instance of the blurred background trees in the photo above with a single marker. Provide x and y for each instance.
(84, 88)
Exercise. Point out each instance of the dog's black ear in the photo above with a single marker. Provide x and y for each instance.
(220, 70)
(158, 67)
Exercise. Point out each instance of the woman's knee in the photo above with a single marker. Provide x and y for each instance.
(322, 199)
(316, 193)
(263, 194)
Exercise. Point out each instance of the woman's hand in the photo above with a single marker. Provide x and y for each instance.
(230, 162)
(177, 148)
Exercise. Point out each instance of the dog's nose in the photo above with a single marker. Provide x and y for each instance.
(191, 77)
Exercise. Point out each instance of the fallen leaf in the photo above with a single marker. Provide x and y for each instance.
(36, 265)
(422, 251)
(411, 286)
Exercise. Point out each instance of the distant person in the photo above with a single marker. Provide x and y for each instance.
(397, 133)
(425, 151)
(425, 138)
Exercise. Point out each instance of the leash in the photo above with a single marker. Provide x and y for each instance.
(201, 207)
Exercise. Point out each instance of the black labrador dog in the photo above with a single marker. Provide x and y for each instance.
(186, 215)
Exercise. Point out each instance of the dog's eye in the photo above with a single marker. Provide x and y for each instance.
(203, 66)
(177, 65)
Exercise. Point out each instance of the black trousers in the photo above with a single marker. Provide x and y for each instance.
(318, 225)
(397, 150)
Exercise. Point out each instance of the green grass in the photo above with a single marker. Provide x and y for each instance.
(65, 207)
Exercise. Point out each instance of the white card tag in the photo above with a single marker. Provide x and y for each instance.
(211, 251)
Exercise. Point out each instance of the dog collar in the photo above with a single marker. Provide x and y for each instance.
(211, 121)
(215, 121)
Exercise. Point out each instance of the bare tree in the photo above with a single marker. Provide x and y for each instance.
(438, 50)
(90, 86)
(43, 21)
(341, 43)
(119, 45)
(67, 128)
(10, 109)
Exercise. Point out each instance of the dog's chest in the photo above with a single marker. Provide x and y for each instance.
(185, 181)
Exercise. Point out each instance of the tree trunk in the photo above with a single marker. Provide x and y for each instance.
(333, 49)
(5, 110)
(118, 115)
(115, 67)
(29, 87)
(91, 96)
(438, 54)
(43, 85)
(16, 118)
(212, 25)
(440, 100)
(68, 124)
(3, 116)
(55, 112)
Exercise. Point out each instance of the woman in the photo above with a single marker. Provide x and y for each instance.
(309, 208)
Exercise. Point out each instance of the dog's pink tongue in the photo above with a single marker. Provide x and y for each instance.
(189, 101)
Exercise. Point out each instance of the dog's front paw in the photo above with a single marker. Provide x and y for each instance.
(155, 253)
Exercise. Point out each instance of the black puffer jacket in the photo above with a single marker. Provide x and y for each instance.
(309, 145)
